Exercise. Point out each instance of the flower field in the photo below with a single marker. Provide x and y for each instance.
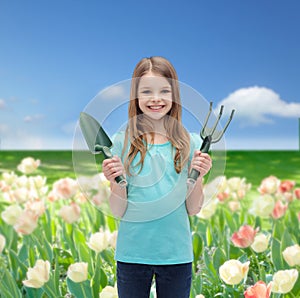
(56, 243)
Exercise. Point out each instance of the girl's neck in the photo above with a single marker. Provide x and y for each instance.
(158, 133)
(157, 138)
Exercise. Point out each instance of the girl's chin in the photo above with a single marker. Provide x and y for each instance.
(155, 115)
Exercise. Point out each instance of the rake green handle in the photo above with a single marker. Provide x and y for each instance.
(194, 174)
(107, 154)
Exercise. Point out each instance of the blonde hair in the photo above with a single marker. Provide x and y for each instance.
(138, 126)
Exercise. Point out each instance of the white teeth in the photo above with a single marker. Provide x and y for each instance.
(155, 107)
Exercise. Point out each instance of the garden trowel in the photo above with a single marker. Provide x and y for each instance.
(97, 140)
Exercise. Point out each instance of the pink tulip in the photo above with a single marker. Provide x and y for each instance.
(26, 222)
(259, 290)
(223, 196)
(244, 237)
(297, 193)
(279, 210)
(286, 186)
(70, 213)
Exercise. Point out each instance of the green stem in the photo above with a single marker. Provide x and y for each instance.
(256, 262)
(49, 291)
(83, 290)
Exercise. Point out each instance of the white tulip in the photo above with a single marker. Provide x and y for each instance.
(261, 243)
(78, 272)
(232, 272)
(38, 275)
(292, 255)
(284, 281)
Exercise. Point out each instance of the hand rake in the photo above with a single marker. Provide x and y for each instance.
(209, 136)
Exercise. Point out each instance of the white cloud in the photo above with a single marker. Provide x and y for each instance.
(113, 92)
(31, 118)
(262, 143)
(256, 105)
(2, 104)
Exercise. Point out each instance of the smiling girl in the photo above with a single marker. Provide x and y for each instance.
(156, 153)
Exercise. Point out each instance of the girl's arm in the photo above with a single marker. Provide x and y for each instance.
(113, 168)
(194, 201)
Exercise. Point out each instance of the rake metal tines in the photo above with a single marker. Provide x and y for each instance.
(209, 136)
(205, 132)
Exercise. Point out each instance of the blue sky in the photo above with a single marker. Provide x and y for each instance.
(55, 56)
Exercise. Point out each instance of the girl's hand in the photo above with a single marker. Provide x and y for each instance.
(112, 168)
(201, 162)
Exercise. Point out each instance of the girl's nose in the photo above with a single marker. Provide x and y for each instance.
(155, 97)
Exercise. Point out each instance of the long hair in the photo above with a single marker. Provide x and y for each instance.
(138, 125)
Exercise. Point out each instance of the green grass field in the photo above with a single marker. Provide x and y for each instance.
(254, 165)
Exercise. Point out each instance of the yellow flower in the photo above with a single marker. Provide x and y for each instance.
(28, 165)
(284, 281)
(208, 210)
(38, 275)
(261, 242)
(99, 241)
(11, 214)
(292, 255)
(109, 292)
(263, 206)
(232, 272)
(78, 272)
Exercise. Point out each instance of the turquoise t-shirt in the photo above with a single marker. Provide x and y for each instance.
(155, 228)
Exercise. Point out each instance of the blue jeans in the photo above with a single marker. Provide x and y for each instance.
(172, 281)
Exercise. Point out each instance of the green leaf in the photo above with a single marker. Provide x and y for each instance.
(95, 282)
(21, 267)
(85, 255)
(276, 255)
(34, 293)
(111, 222)
(51, 288)
(296, 289)
(78, 237)
(221, 219)
(209, 265)
(219, 257)
(278, 230)
(197, 246)
(80, 289)
(8, 284)
(23, 253)
(47, 225)
(230, 221)
(103, 278)
(208, 236)
(286, 240)
(63, 257)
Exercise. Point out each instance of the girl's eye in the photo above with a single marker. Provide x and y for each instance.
(146, 92)
(165, 91)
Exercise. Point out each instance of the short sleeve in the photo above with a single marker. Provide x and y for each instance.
(195, 143)
(118, 143)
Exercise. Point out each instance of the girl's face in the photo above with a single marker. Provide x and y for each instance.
(154, 96)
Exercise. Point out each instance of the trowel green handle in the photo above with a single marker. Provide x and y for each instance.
(194, 174)
(107, 154)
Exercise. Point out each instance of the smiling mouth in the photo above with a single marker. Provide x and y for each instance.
(156, 107)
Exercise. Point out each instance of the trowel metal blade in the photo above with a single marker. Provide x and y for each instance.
(93, 133)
